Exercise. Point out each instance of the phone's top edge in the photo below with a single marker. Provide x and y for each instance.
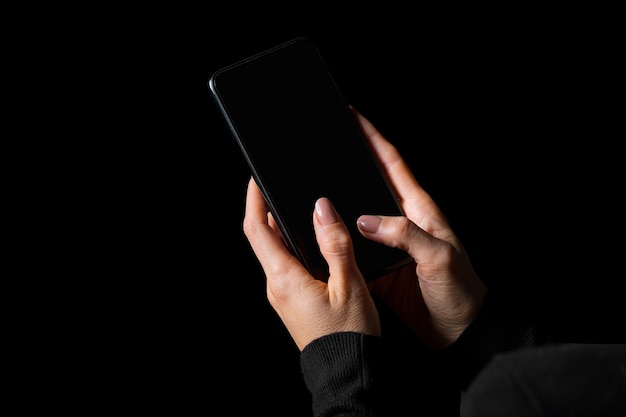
(211, 81)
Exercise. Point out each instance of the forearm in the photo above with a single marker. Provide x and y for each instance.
(340, 371)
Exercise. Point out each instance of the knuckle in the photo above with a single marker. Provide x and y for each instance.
(338, 242)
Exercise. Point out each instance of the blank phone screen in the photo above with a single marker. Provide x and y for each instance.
(301, 142)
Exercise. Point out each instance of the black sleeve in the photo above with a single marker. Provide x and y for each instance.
(576, 380)
(501, 326)
(340, 371)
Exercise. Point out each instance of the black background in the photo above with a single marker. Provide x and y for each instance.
(510, 123)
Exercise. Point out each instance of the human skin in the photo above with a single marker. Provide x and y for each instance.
(436, 296)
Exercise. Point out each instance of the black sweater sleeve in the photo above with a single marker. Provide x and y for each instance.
(340, 371)
(502, 326)
(347, 376)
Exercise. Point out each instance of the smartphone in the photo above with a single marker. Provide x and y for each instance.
(301, 142)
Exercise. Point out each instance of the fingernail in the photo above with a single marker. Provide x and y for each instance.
(369, 223)
(325, 211)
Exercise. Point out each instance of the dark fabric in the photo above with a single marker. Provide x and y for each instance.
(505, 365)
(402, 368)
(501, 326)
(339, 371)
(574, 380)
(349, 374)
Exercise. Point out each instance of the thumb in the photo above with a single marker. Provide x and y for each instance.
(335, 242)
(402, 233)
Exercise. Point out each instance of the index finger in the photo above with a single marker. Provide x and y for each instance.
(266, 242)
(417, 204)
